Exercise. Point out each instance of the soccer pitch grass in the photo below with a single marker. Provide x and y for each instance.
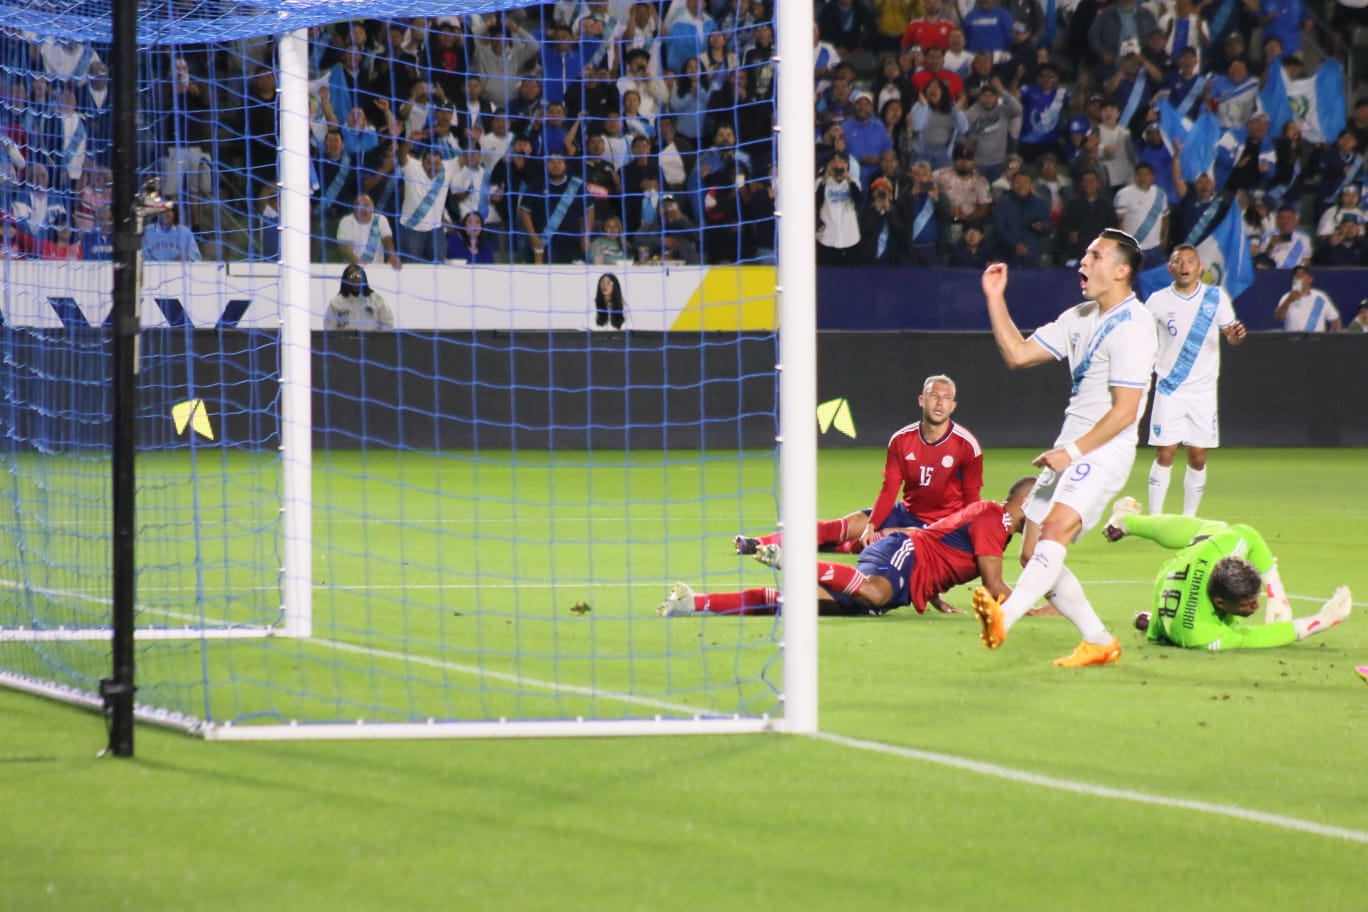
(948, 776)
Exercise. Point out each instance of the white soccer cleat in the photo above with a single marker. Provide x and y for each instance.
(770, 555)
(679, 601)
(1337, 609)
(1114, 530)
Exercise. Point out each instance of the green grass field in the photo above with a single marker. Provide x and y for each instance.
(947, 777)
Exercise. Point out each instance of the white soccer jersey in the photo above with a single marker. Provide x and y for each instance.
(1189, 338)
(1117, 348)
(1141, 213)
(1310, 312)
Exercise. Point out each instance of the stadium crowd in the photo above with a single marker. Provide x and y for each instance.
(949, 132)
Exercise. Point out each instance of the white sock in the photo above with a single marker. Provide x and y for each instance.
(1068, 597)
(1194, 483)
(1158, 486)
(1277, 607)
(1037, 578)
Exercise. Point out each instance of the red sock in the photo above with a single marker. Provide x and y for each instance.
(850, 547)
(747, 601)
(838, 577)
(774, 538)
(831, 531)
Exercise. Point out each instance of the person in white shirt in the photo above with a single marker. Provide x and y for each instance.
(495, 143)
(1142, 212)
(427, 182)
(1349, 204)
(1285, 247)
(1190, 315)
(838, 213)
(470, 186)
(1306, 309)
(1111, 346)
(364, 235)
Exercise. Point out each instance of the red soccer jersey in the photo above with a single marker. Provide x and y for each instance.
(928, 34)
(945, 550)
(936, 478)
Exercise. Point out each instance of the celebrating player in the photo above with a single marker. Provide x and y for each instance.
(911, 567)
(1110, 343)
(1213, 581)
(937, 464)
(1189, 313)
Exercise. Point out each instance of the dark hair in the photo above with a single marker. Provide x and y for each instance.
(1020, 485)
(1233, 579)
(354, 275)
(1128, 248)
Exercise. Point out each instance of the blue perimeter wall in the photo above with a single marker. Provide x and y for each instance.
(950, 299)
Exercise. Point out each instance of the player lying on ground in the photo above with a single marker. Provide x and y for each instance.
(1213, 581)
(937, 464)
(902, 568)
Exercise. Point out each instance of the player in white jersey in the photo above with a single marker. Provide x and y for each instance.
(1191, 315)
(1110, 343)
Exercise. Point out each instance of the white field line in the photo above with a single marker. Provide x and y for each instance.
(1024, 777)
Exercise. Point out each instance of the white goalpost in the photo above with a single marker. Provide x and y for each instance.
(457, 523)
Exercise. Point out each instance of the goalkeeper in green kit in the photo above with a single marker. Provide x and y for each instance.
(1214, 581)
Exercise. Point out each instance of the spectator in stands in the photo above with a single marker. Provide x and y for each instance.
(558, 138)
(1116, 152)
(970, 251)
(261, 138)
(687, 27)
(989, 121)
(987, 27)
(1199, 205)
(364, 236)
(639, 31)
(337, 184)
(96, 105)
(933, 70)
(1053, 185)
(1132, 84)
(1225, 18)
(1185, 84)
(1121, 22)
(1350, 204)
(263, 226)
(1245, 157)
(672, 236)
(688, 104)
(891, 18)
(428, 180)
(1084, 218)
(610, 244)
(1283, 19)
(929, 30)
(935, 126)
(838, 214)
(1003, 184)
(166, 241)
(882, 227)
(1340, 165)
(40, 206)
(555, 215)
(919, 208)
(1294, 162)
(1306, 308)
(677, 155)
(866, 137)
(469, 241)
(1346, 244)
(503, 51)
(1359, 122)
(602, 183)
(61, 242)
(1233, 95)
(1185, 31)
(836, 104)
(1287, 246)
(652, 93)
(1044, 109)
(847, 26)
(757, 196)
(1155, 153)
(97, 241)
(1021, 222)
(825, 60)
(980, 74)
(356, 306)
(1360, 322)
(966, 193)
(958, 57)
(1143, 212)
(562, 62)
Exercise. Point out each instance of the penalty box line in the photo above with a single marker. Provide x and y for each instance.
(995, 771)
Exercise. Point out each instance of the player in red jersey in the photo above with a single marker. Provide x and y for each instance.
(937, 464)
(907, 567)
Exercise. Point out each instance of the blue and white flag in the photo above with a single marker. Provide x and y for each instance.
(1317, 101)
(1199, 138)
(1225, 260)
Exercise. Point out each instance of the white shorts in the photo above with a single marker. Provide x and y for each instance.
(1087, 487)
(1192, 422)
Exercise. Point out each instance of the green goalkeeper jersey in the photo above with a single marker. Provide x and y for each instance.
(1182, 612)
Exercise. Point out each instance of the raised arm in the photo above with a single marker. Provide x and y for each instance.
(1017, 351)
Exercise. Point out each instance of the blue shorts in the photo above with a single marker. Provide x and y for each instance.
(899, 518)
(892, 558)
